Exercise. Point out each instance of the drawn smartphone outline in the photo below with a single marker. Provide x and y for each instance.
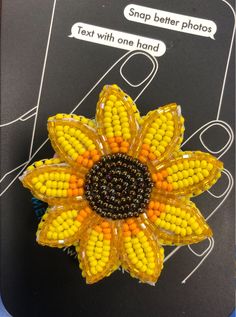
(123, 60)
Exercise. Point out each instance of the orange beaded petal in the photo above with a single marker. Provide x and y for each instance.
(61, 226)
(116, 119)
(161, 134)
(55, 184)
(176, 222)
(189, 174)
(98, 249)
(141, 255)
(75, 142)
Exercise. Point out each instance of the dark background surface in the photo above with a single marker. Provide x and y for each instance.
(37, 281)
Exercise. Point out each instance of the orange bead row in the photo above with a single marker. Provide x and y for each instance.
(118, 144)
(160, 181)
(75, 186)
(130, 227)
(154, 210)
(88, 158)
(104, 228)
(83, 213)
(146, 154)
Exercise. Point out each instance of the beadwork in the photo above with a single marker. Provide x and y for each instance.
(120, 187)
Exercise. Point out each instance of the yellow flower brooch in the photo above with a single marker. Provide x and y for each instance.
(120, 187)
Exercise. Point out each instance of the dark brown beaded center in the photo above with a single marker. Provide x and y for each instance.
(118, 186)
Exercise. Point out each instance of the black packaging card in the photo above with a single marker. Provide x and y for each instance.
(56, 57)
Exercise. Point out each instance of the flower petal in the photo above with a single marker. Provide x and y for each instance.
(189, 174)
(141, 254)
(77, 143)
(116, 119)
(160, 135)
(98, 252)
(60, 226)
(176, 221)
(55, 183)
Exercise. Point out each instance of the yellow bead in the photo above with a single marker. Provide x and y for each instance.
(39, 163)
(149, 136)
(209, 166)
(177, 230)
(178, 221)
(191, 164)
(43, 189)
(151, 265)
(127, 136)
(107, 115)
(197, 163)
(49, 235)
(162, 215)
(189, 230)
(61, 236)
(131, 255)
(169, 134)
(168, 217)
(167, 226)
(180, 184)
(173, 219)
(54, 235)
(139, 264)
(34, 180)
(99, 268)
(172, 227)
(110, 135)
(194, 225)
(118, 133)
(112, 98)
(143, 268)
(109, 103)
(134, 260)
(48, 192)
(175, 185)
(93, 270)
(205, 172)
(198, 231)
(157, 222)
(38, 185)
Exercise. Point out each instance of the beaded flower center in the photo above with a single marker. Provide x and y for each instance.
(118, 186)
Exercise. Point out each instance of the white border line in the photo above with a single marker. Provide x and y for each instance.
(42, 77)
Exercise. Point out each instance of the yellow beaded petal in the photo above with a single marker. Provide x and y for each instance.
(77, 143)
(116, 119)
(55, 183)
(189, 174)
(98, 249)
(176, 222)
(161, 134)
(61, 225)
(141, 254)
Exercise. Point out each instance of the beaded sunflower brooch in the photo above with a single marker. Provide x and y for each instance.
(121, 187)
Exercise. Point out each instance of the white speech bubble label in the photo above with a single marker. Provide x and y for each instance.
(170, 20)
(122, 40)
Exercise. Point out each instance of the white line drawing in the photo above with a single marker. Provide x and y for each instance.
(224, 149)
(228, 59)
(33, 112)
(205, 254)
(24, 117)
(148, 79)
